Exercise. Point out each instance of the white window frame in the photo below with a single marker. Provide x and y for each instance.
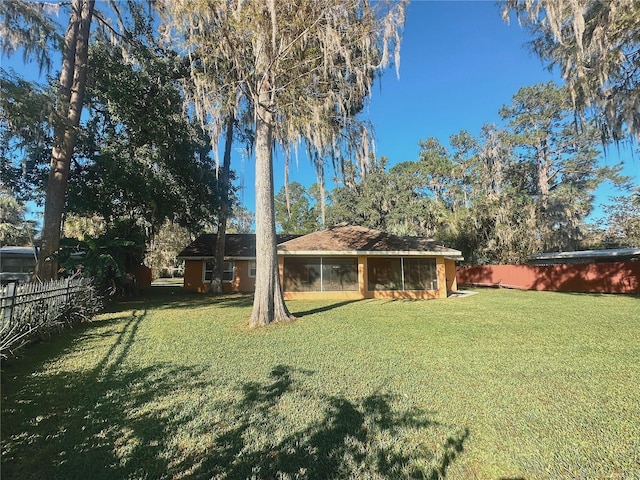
(204, 270)
(252, 267)
(231, 270)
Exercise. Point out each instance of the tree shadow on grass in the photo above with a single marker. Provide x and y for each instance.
(91, 424)
(367, 438)
(119, 421)
(324, 308)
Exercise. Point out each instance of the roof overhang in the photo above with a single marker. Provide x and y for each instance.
(369, 253)
(209, 258)
(341, 253)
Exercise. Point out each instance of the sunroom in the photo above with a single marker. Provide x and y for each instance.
(355, 262)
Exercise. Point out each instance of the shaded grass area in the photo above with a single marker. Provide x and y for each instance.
(503, 384)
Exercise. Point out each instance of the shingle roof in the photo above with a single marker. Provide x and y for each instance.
(350, 238)
(341, 239)
(235, 245)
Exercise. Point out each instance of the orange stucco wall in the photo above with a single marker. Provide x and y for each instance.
(241, 281)
(193, 276)
(450, 273)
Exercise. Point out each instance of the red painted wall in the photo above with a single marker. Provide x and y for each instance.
(614, 277)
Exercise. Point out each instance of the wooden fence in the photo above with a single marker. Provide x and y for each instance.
(604, 277)
(28, 309)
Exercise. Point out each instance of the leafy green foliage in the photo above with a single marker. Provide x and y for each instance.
(152, 166)
(14, 228)
(112, 259)
(562, 159)
(138, 155)
(25, 134)
(164, 248)
(498, 197)
(622, 222)
(300, 216)
(241, 221)
(391, 201)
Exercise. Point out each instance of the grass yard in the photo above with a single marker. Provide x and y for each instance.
(502, 384)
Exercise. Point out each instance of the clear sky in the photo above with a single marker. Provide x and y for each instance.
(459, 64)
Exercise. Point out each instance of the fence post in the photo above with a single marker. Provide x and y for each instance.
(9, 302)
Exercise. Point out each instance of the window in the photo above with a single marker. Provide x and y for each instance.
(302, 274)
(420, 274)
(402, 273)
(252, 269)
(339, 274)
(320, 274)
(384, 273)
(227, 274)
(208, 271)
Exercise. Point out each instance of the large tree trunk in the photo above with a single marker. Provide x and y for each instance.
(223, 215)
(72, 86)
(268, 302)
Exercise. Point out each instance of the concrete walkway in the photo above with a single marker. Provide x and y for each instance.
(461, 294)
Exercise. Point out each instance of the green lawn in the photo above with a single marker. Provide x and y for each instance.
(502, 384)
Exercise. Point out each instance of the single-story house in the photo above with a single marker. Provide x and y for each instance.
(239, 262)
(341, 262)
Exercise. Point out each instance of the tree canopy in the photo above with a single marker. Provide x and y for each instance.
(596, 44)
(15, 229)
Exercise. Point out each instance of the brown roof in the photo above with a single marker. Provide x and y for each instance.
(235, 245)
(350, 238)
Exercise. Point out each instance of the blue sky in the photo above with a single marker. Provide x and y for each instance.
(459, 64)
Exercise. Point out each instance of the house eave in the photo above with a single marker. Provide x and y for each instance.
(212, 258)
(370, 253)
